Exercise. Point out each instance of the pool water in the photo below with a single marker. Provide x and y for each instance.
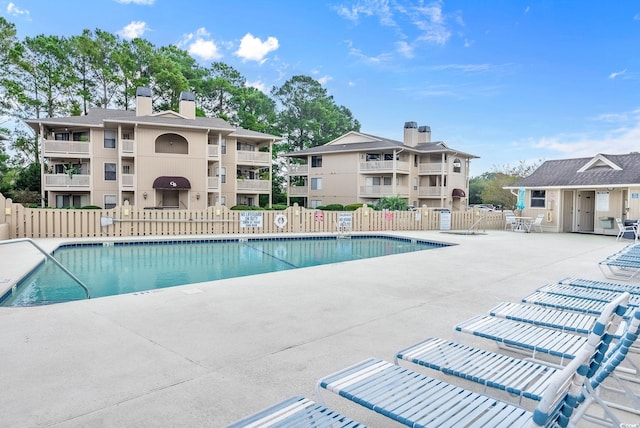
(127, 267)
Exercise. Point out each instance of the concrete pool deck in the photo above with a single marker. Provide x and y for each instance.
(208, 354)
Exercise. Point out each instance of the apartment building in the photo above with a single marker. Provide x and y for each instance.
(155, 160)
(362, 168)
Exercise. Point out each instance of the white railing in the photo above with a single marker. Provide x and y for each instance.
(377, 166)
(213, 150)
(431, 168)
(253, 185)
(213, 183)
(128, 146)
(56, 147)
(433, 191)
(254, 157)
(383, 191)
(127, 180)
(298, 190)
(295, 169)
(63, 180)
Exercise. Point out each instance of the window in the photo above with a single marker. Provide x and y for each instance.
(223, 146)
(222, 173)
(61, 136)
(81, 136)
(386, 181)
(244, 147)
(415, 160)
(126, 136)
(315, 203)
(457, 165)
(109, 171)
(109, 201)
(126, 169)
(316, 161)
(109, 139)
(415, 187)
(372, 181)
(222, 200)
(373, 157)
(538, 198)
(66, 201)
(316, 184)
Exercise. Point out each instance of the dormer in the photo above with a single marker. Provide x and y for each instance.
(599, 161)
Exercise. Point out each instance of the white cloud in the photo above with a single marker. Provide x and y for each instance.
(14, 10)
(431, 22)
(617, 73)
(527, 9)
(324, 80)
(261, 86)
(139, 2)
(133, 30)
(205, 49)
(405, 49)
(253, 49)
(621, 139)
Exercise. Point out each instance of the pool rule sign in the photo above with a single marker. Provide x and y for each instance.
(250, 219)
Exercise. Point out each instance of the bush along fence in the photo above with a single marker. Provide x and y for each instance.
(17, 221)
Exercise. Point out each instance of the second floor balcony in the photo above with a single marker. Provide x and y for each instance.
(298, 190)
(431, 191)
(64, 181)
(127, 181)
(298, 169)
(213, 184)
(388, 166)
(432, 168)
(213, 151)
(60, 148)
(380, 191)
(248, 185)
(245, 157)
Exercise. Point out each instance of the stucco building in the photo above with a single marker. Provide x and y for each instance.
(161, 160)
(362, 168)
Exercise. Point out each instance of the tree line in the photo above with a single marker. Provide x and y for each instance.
(53, 76)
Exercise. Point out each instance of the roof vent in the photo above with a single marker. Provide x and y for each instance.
(410, 125)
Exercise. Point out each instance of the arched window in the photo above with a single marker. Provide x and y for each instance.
(172, 143)
(457, 165)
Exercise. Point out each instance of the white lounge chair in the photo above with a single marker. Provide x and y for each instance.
(536, 224)
(622, 229)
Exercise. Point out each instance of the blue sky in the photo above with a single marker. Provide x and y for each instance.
(505, 80)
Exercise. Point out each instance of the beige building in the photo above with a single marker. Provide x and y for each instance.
(362, 168)
(161, 160)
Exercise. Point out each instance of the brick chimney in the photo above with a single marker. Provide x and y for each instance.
(187, 106)
(410, 134)
(143, 101)
(424, 134)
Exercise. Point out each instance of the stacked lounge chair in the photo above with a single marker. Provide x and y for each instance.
(623, 265)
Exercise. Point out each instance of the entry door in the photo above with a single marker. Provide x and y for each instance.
(170, 198)
(567, 211)
(586, 207)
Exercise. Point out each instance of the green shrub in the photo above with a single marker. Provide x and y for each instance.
(279, 207)
(352, 207)
(246, 208)
(331, 207)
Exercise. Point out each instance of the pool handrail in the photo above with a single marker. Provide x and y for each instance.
(53, 259)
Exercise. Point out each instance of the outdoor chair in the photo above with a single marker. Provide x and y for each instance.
(296, 412)
(510, 220)
(611, 286)
(537, 223)
(417, 400)
(622, 229)
(620, 267)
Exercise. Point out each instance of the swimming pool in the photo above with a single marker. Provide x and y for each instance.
(110, 268)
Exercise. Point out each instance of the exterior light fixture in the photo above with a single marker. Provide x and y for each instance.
(144, 195)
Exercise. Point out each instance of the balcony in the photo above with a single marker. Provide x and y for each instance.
(58, 148)
(260, 186)
(63, 181)
(127, 181)
(380, 191)
(213, 151)
(384, 166)
(246, 157)
(213, 184)
(127, 147)
(298, 191)
(298, 169)
(431, 191)
(431, 168)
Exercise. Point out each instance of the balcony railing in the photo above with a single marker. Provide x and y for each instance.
(63, 180)
(248, 157)
(213, 150)
(53, 148)
(431, 168)
(298, 190)
(384, 166)
(384, 191)
(296, 169)
(253, 185)
(127, 181)
(213, 184)
(128, 146)
(431, 191)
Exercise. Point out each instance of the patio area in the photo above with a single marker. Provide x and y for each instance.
(208, 354)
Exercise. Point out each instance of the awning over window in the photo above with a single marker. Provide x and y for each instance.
(458, 193)
(174, 183)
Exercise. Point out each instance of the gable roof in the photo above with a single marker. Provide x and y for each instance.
(357, 142)
(600, 170)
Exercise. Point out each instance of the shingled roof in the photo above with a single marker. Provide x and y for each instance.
(600, 170)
